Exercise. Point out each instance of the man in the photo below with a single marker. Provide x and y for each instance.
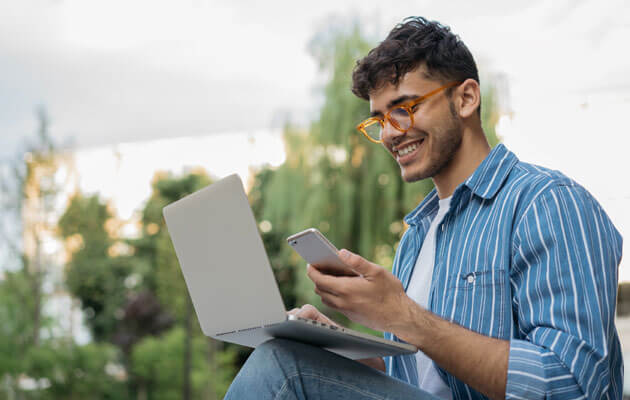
(506, 278)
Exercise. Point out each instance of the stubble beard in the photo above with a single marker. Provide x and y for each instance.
(446, 143)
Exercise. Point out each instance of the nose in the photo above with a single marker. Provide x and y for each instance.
(390, 134)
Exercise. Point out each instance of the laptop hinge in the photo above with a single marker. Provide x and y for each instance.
(248, 329)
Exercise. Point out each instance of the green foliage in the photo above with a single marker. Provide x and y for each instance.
(490, 113)
(155, 246)
(167, 282)
(223, 371)
(154, 358)
(334, 179)
(16, 329)
(124, 295)
(86, 216)
(93, 276)
(68, 371)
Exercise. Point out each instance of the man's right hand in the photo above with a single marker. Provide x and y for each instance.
(310, 312)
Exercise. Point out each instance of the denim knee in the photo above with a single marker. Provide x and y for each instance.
(265, 371)
(274, 353)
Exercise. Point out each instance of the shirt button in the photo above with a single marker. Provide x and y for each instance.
(470, 278)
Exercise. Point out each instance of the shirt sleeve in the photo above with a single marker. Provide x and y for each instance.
(564, 275)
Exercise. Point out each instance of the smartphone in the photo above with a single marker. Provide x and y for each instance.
(318, 251)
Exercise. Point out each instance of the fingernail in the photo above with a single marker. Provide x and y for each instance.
(343, 253)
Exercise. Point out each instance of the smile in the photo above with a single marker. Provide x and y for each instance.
(407, 149)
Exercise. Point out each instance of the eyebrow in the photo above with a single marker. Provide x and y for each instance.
(395, 102)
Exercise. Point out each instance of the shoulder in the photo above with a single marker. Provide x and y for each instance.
(528, 184)
(542, 188)
(534, 180)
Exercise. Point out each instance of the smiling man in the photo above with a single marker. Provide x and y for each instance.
(506, 279)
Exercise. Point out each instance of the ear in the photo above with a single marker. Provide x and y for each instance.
(467, 98)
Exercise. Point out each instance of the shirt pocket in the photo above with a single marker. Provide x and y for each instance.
(479, 300)
(476, 279)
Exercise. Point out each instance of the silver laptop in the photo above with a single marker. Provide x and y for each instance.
(232, 285)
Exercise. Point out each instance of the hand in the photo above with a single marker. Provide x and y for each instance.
(310, 312)
(377, 299)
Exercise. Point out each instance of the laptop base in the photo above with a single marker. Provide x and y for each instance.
(344, 342)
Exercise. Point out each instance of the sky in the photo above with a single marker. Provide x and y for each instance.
(127, 72)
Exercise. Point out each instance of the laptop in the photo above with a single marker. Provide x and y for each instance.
(231, 283)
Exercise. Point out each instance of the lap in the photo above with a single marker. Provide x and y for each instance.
(285, 369)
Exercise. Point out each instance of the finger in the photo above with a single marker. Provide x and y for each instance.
(325, 282)
(356, 262)
(309, 311)
(316, 314)
(330, 299)
(321, 291)
(293, 311)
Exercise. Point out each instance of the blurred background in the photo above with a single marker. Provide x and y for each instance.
(111, 110)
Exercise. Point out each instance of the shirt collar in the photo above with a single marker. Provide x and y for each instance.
(489, 176)
(485, 182)
(428, 206)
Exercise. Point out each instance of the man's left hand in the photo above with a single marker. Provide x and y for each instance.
(376, 300)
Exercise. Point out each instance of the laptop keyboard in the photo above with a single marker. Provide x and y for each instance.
(323, 325)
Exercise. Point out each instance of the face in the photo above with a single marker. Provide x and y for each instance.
(430, 144)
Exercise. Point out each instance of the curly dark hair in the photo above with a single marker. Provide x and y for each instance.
(414, 42)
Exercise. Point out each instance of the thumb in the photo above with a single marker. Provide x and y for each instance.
(358, 264)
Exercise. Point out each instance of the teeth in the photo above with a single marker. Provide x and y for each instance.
(408, 149)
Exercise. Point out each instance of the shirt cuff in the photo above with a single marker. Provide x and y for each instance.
(525, 371)
(536, 373)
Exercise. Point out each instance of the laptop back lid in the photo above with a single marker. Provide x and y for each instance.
(223, 259)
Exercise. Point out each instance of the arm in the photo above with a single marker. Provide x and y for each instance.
(564, 279)
(379, 302)
(477, 360)
(565, 325)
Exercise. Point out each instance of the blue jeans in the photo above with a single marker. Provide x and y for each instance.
(284, 369)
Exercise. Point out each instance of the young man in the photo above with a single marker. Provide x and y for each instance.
(506, 278)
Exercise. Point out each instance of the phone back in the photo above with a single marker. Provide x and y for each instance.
(316, 250)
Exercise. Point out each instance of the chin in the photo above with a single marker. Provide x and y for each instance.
(413, 176)
(422, 170)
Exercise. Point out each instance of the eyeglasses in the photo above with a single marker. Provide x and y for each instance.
(400, 117)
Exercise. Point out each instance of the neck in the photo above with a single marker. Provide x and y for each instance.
(473, 150)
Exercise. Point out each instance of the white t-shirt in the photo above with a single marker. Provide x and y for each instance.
(418, 290)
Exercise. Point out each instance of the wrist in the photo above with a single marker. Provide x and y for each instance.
(414, 323)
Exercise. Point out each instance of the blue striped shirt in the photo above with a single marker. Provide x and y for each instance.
(524, 254)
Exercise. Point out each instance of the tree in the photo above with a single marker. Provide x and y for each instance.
(28, 192)
(334, 179)
(154, 358)
(16, 330)
(38, 190)
(64, 370)
(167, 280)
(133, 292)
(92, 274)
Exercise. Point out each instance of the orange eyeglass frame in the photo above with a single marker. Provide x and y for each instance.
(407, 107)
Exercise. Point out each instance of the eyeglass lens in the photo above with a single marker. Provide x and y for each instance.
(374, 131)
(399, 118)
